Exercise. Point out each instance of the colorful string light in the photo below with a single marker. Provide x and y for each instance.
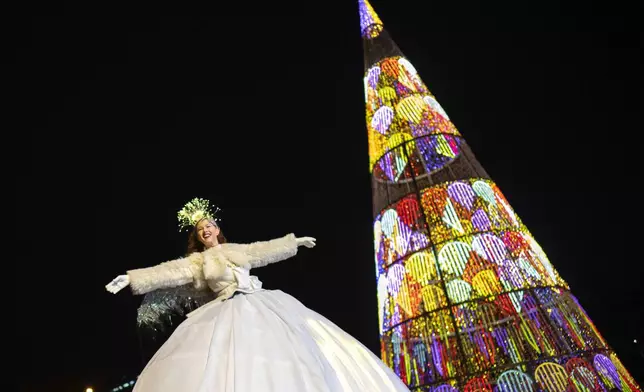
(468, 301)
(401, 109)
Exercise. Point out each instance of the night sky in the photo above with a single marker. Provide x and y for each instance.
(259, 107)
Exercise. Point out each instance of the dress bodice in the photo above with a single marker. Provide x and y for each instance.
(238, 277)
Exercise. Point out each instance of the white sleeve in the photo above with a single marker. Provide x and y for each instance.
(267, 252)
(169, 274)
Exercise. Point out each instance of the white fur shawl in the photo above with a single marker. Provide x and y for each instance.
(205, 268)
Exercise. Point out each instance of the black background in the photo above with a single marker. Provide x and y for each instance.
(259, 106)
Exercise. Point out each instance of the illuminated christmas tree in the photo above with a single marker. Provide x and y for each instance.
(467, 299)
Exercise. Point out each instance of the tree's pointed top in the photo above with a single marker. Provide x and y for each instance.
(370, 23)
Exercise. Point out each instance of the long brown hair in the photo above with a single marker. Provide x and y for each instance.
(194, 245)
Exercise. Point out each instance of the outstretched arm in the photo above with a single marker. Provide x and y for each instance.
(169, 274)
(268, 252)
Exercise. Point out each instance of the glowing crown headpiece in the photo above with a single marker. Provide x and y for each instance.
(194, 211)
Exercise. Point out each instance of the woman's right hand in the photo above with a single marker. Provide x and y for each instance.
(118, 284)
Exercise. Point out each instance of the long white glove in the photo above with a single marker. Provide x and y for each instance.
(309, 242)
(118, 284)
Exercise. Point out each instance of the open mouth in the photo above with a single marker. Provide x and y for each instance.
(206, 235)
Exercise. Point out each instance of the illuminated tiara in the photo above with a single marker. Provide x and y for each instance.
(194, 211)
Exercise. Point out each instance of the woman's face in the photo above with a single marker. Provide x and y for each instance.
(207, 232)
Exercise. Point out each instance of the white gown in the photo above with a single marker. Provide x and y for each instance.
(263, 341)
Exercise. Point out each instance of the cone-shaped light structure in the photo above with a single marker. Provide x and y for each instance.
(468, 300)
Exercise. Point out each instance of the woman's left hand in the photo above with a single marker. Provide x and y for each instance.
(309, 242)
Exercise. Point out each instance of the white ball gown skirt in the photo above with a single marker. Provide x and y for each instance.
(266, 341)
